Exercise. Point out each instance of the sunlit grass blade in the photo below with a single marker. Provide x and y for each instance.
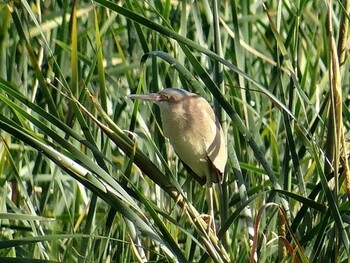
(92, 178)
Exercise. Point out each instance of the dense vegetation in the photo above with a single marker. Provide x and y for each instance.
(86, 174)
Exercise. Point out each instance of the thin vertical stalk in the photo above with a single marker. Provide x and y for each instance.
(341, 51)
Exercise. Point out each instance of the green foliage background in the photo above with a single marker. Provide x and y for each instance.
(86, 174)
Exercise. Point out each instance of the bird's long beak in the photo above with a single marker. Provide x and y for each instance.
(151, 97)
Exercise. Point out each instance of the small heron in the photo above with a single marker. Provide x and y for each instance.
(195, 133)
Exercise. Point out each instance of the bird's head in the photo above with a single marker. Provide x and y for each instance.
(168, 95)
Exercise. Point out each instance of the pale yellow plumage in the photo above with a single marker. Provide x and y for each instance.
(192, 128)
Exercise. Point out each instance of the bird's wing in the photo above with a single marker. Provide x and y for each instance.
(216, 146)
(215, 141)
(218, 153)
(215, 174)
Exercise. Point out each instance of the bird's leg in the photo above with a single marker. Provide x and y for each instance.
(210, 201)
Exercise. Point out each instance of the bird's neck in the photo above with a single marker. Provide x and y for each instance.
(173, 118)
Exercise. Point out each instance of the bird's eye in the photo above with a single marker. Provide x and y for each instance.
(166, 96)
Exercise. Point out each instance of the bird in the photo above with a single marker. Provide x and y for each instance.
(190, 124)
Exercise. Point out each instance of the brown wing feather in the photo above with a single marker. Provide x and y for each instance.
(215, 173)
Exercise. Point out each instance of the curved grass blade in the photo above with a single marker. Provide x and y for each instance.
(172, 34)
(229, 109)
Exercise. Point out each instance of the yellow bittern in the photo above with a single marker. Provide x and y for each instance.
(195, 133)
